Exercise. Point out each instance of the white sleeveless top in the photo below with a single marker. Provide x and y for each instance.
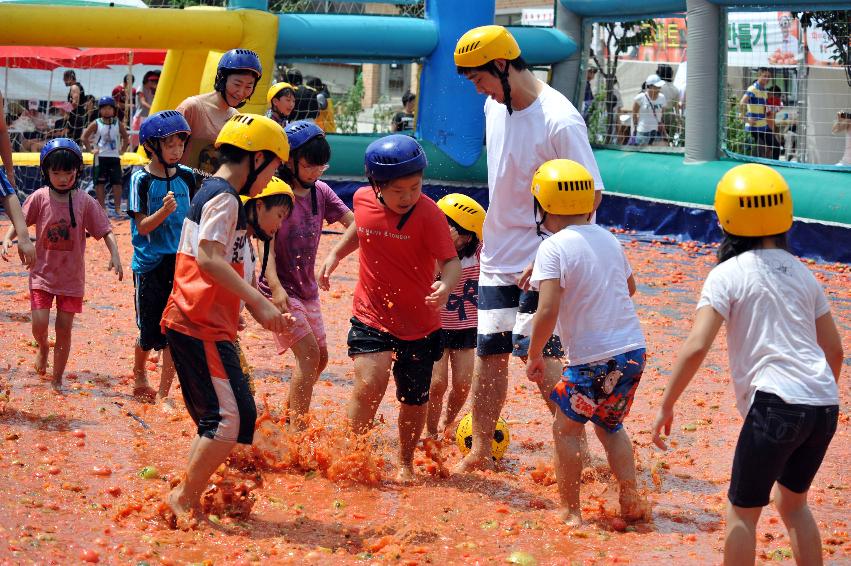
(108, 139)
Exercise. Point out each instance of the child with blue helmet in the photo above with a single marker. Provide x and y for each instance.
(401, 235)
(62, 217)
(290, 280)
(237, 75)
(107, 139)
(158, 203)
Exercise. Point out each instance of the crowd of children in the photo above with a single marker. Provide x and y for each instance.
(416, 300)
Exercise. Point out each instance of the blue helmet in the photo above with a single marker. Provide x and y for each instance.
(106, 101)
(237, 61)
(163, 124)
(394, 156)
(301, 132)
(60, 143)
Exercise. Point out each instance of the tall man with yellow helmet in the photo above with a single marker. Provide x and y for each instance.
(527, 123)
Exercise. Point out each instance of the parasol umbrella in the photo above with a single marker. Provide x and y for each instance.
(28, 57)
(100, 57)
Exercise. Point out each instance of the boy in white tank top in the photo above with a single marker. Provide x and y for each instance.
(107, 139)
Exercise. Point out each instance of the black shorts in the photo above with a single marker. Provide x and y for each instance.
(108, 171)
(413, 362)
(463, 339)
(779, 442)
(152, 291)
(214, 387)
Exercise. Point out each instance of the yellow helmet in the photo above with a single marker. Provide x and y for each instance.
(753, 200)
(275, 187)
(253, 132)
(275, 89)
(465, 211)
(484, 44)
(563, 187)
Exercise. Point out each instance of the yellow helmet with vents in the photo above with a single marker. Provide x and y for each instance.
(753, 200)
(465, 211)
(275, 187)
(484, 44)
(253, 132)
(563, 187)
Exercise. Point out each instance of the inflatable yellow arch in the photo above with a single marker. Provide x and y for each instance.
(195, 39)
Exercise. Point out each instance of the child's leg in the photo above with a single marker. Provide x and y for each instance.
(740, 540)
(803, 530)
(439, 383)
(568, 466)
(40, 324)
(306, 374)
(63, 325)
(140, 372)
(207, 455)
(167, 375)
(372, 372)
(462, 380)
(116, 197)
(411, 423)
(618, 448)
(100, 194)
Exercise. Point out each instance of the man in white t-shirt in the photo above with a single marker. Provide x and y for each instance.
(527, 124)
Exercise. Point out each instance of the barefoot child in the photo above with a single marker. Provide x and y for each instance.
(585, 284)
(397, 302)
(290, 281)
(158, 203)
(62, 216)
(785, 359)
(459, 316)
(202, 314)
(108, 139)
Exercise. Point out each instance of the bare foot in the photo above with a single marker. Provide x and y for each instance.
(570, 518)
(144, 393)
(56, 384)
(406, 474)
(166, 404)
(472, 462)
(40, 364)
(177, 513)
(634, 506)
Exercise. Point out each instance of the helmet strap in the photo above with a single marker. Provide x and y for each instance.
(314, 206)
(253, 173)
(539, 223)
(220, 85)
(69, 192)
(506, 87)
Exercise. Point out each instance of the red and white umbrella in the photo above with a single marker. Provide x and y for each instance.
(42, 58)
(100, 57)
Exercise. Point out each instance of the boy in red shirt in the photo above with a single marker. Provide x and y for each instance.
(397, 302)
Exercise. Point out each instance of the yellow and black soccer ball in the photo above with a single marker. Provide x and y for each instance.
(499, 444)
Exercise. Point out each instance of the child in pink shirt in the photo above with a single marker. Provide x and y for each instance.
(62, 216)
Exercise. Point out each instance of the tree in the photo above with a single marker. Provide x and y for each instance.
(836, 24)
(618, 37)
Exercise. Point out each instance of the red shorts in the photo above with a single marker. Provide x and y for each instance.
(43, 300)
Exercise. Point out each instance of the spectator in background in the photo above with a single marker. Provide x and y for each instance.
(32, 123)
(754, 110)
(119, 95)
(588, 97)
(325, 120)
(58, 118)
(404, 121)
(306, 98)
(78, 117)
(144, 99)
(647, 112)
(69, 77)
(842, 125)
(773, 104)
(671, 111)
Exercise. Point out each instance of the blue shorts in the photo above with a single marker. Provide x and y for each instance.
(600, 391)
(6, 188)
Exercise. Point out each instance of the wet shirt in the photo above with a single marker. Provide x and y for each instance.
(198, 306)
(147, 192)
(297, 242)
(60, 266)
(206, 122)
(396, 267)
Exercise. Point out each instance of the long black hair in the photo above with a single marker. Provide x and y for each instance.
(731, 245)
(470, 247)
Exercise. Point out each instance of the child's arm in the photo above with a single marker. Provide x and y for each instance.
(146, 224)
(347, 219)
(829, 341)
(211, 260)
(543, 324)
(125, 137)
(86, 137)
(691, 355)
(630, 284)
(347, 244)
(26, 249)
(450, 272)
(115, 258)
(279, 295)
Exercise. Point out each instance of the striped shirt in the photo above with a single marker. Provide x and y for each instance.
(755, 108)
(461, 311)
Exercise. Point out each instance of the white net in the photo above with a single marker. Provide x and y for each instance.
(787, 87)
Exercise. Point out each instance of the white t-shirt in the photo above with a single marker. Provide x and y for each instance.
(596, 317)
(771, 302)
(550, 128)
(649, 111)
